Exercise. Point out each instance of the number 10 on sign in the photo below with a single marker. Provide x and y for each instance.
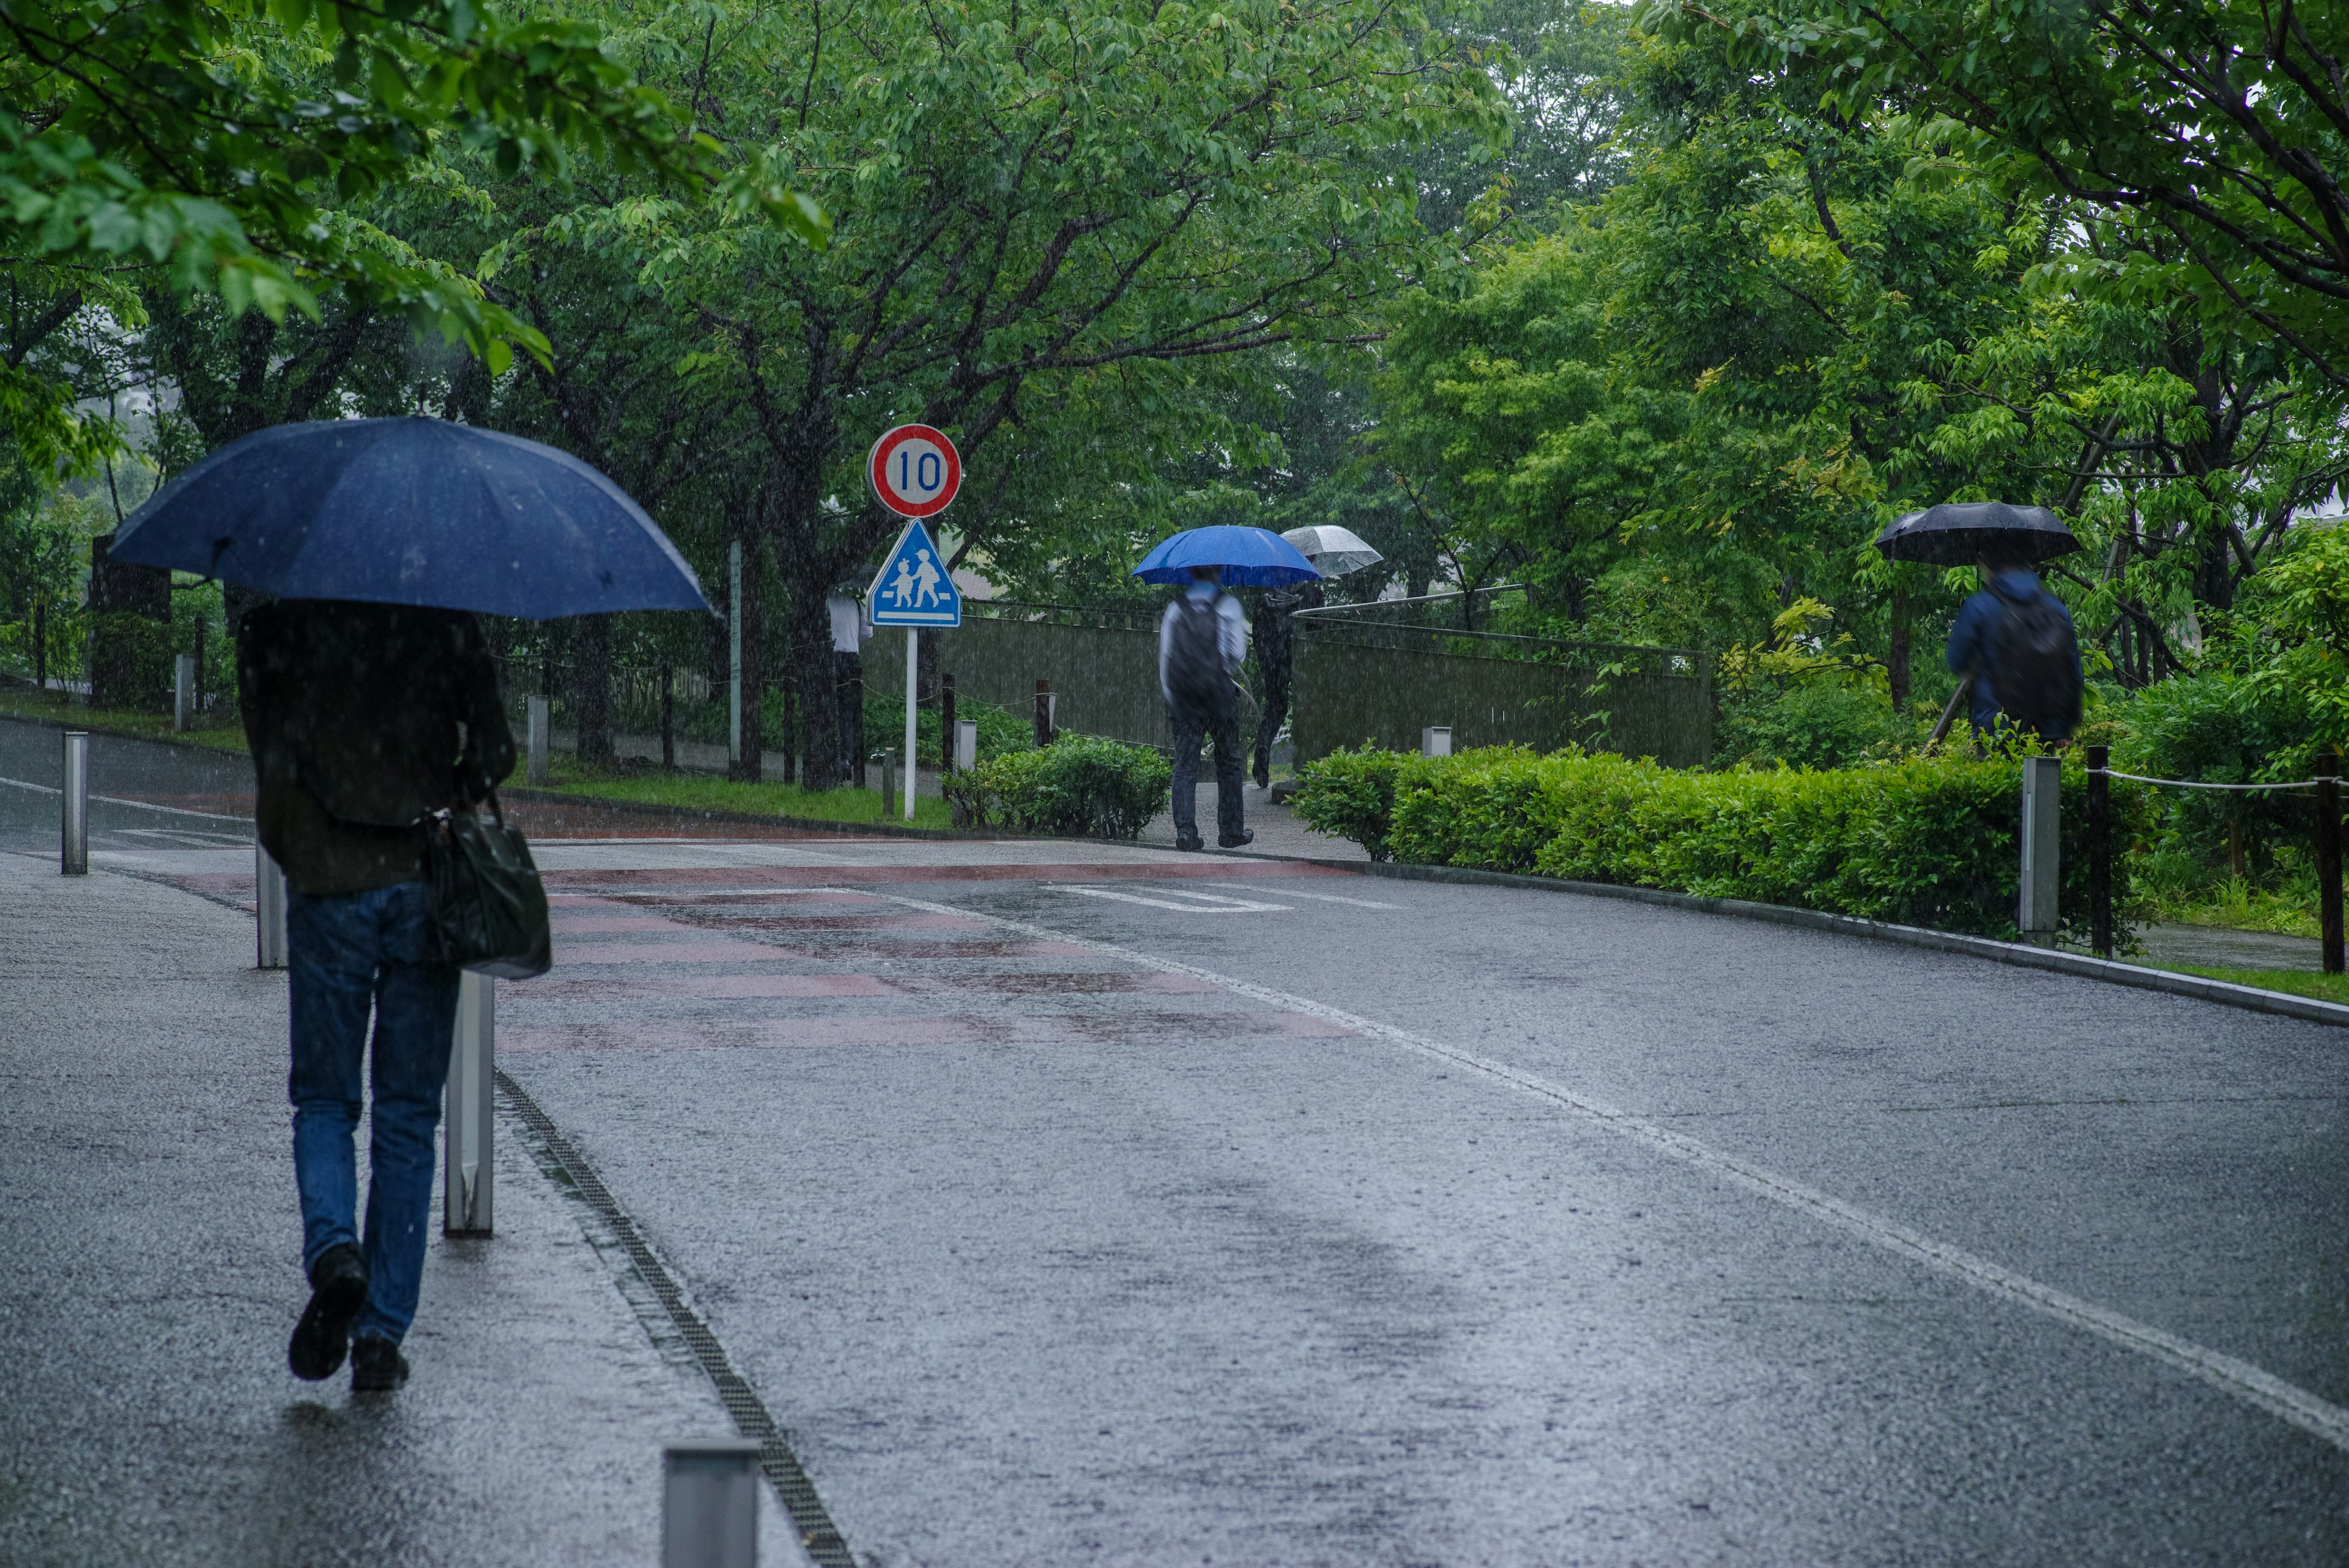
(915, 471)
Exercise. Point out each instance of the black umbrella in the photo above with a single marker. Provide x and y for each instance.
(1956, 532)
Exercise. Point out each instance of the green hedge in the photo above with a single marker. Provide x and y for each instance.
(1923, 843)
(1078, 784)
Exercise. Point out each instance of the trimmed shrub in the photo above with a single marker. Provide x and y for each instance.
(1924, 842)
(1351, 794)
(1078, 784)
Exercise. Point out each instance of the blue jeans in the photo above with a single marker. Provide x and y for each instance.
(346, 955)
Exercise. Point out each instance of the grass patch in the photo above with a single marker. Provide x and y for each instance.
(707, 792)
(2295, 982)
(222, 735)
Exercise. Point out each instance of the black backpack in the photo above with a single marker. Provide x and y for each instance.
(1195, 676)
(2033, 655)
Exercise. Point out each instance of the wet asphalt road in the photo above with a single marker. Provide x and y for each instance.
(1045, 1244)
(162, 797)
(1043, 1261)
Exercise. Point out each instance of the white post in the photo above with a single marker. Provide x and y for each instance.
(183, 692)
(1435, 741)
(471, 1110)
(734, 654)
(268, 910)
(2037, 913)
(913, 690)
(709, 1504)
(966, 743)
(73, 851)
(541, 720)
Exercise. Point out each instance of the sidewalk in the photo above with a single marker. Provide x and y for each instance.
(146, 1413)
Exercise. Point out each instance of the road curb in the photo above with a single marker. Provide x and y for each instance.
(44, 721)
(2021, 955)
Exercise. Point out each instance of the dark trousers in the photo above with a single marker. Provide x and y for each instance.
(1267, 728)
(1191, 726)
(848, 685)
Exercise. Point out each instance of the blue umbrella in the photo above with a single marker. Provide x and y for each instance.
(1251, 557)
(412, 512)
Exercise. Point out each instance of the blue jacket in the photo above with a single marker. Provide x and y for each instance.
(1973, 641)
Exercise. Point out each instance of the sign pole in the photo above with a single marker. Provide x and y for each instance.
(913, 677)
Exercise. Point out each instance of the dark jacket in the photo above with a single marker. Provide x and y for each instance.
(1973, 641)
(363, 718)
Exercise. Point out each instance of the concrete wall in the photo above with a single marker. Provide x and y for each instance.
(1358, 683)
(1103, 664)
(1354, 682)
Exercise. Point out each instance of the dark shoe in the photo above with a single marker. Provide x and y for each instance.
(1189, 841)
(1234, 840)
(338, 1287)
(376, 1365)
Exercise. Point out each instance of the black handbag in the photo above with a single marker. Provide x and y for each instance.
(489, 908)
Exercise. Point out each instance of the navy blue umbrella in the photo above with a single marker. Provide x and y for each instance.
(1251, 557)
(412, 512)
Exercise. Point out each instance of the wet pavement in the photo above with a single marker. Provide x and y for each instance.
(1088, 1203)
(2215, 947)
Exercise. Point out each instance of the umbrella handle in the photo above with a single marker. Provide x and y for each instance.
(1950, 711)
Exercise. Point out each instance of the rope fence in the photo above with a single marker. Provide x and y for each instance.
(2326, 789)
(2204, 784)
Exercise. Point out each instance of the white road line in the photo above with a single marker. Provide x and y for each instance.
(2254, 1386)
(1219, 906)
(141, 804)
(1316, 898)
(559, 892)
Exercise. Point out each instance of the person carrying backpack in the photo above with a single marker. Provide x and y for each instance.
(2016, 640)
(1202, 642)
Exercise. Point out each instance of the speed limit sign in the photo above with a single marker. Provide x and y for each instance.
(915, 471)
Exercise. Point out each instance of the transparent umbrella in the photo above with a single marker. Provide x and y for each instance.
(1334, 551)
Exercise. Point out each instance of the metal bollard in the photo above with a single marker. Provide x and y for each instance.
(1435, 741)
(2330, 955)
(73, 856)
(2036, 913)
(889, 761)
(1046, 711)
(966, 744)
(709, 1504)
(183, 693)
(2100, 852)
(541, 720)
(469, 1183)
(268, 911)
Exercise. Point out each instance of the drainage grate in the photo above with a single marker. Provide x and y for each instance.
(817, 1533)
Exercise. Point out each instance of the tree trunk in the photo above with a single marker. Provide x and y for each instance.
(813, 675)
(751, 767)
(591, 673)
(1897, 654)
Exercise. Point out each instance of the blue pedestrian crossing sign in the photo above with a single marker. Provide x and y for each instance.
(914, 587)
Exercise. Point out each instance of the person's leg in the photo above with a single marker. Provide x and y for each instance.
(330, 962)
(416, 1015)
(1188, 730)
(1231, 774)
(1268, 729)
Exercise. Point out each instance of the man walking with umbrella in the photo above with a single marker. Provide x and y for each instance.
(2013, 647)
(371, 703)
(363, 719)
(1202, 643)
